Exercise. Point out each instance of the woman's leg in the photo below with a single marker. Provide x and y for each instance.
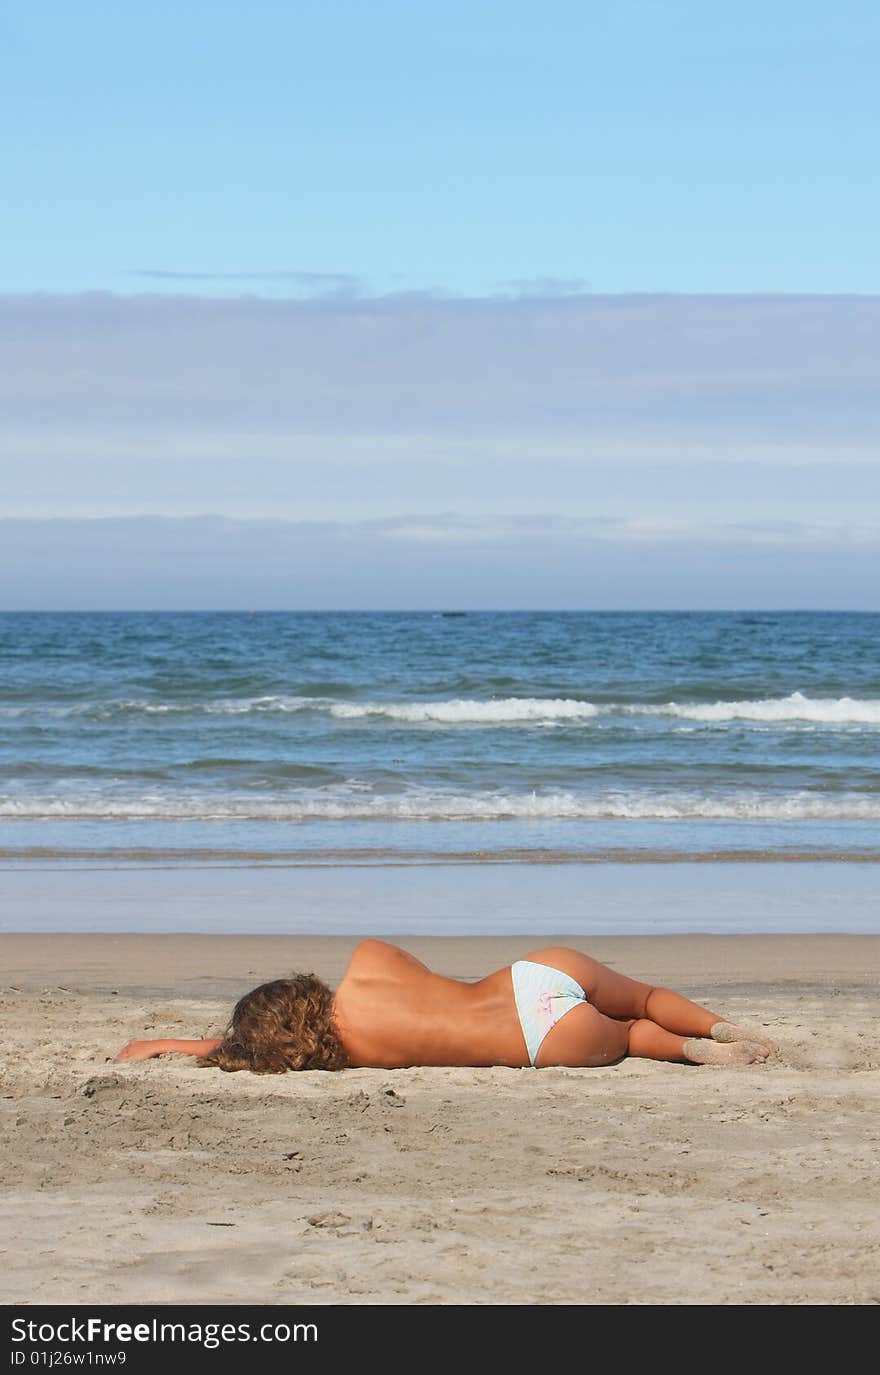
(672, 1012)
(654, 1011)
(585, 1036)
(648, 1041)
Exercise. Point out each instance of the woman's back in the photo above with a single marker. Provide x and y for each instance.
(391, 1010)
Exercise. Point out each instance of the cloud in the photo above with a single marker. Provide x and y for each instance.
(584, 370)
(422, 561)
(543, 449)
(334, 285)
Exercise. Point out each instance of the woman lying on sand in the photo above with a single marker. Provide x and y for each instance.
(555, 1007)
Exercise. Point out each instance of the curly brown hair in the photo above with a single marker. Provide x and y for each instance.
(285, 1024)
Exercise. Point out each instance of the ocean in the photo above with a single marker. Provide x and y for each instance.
(217, 738)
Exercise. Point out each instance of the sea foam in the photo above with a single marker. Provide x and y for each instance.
(501, 711)
(435, 805)
(795, 707)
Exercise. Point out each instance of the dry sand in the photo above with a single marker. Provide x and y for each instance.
(640, 1183)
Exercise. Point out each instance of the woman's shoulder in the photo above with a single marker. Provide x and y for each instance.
(373, 955)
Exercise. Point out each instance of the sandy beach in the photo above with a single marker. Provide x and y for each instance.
(640, 1183)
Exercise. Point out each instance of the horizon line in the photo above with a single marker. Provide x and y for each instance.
(450, 610)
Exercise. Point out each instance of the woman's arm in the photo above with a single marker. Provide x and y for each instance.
(145, 1050)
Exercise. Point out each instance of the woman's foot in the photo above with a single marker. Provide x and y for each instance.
(704, 1052)
(725, 1032)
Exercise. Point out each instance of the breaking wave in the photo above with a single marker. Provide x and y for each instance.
(795, 708)
(837, 711)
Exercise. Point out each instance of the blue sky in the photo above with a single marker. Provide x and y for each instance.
(469, 146)
(503, 304)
